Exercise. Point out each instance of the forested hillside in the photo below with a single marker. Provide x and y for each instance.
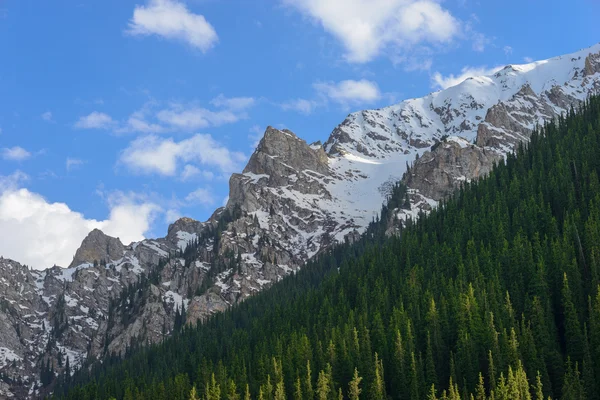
(493, 295)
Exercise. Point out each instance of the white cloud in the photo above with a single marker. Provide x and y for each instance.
(201, 196)
(47, 116)
(152, 154)
(190, 172)
(233, 103)
(190, 118)
(177, 117)
(368, 27)
(350, 91)
(438, 81)
(38, 233)
(95, 120)
(72, 163)
(508, 50)
(15, 153)
(172, 20)
(528, 59)
(300, 105)
(137, 123)
(12, 181)
(345, 93)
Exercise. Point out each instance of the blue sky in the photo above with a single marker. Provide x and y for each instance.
(125, 114)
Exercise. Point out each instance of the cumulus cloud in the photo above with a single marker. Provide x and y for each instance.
(95, 120)
(368, 27)
(15, 153)
(350, 91)
(153, 154)
(39, 233)
(439, 81)
(172, 20)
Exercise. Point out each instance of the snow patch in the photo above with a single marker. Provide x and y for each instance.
(184, 239)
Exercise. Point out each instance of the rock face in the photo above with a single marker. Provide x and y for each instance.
(292, 201)
(439, 173)
(97, 247)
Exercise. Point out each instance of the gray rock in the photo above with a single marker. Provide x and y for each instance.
(96, 247)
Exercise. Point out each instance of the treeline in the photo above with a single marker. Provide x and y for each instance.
(494, 295)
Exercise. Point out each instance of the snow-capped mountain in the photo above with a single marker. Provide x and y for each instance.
(292, 201)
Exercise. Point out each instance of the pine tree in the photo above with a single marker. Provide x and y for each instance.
(572, 328)
(480, 390)
(414, 378)
(280, 391)
(298, 389)
(247, 393)
(378, 386)
(308, 382)
(430, 372)
(232, 393)
(323, 386)
(491, 370)
(354, 389)
(572, 387)
(194, 394)
(539, 392)
(432, 393)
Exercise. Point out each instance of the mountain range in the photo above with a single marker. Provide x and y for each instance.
(292, 201)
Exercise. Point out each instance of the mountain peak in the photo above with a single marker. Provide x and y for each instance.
(98, 246)
(283, 146)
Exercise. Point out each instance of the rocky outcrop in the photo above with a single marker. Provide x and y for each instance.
(592, 65)
(440, 172)
(97, 247)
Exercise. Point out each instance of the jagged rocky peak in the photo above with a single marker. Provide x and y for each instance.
(281, 159)
(98, 246)
(282, 148)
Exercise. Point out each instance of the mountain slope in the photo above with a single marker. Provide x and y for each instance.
(292, 201)
(496, 293)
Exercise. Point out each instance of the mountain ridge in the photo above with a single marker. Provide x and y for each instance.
(291, 202)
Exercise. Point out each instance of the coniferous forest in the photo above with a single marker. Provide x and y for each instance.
(493, 295)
